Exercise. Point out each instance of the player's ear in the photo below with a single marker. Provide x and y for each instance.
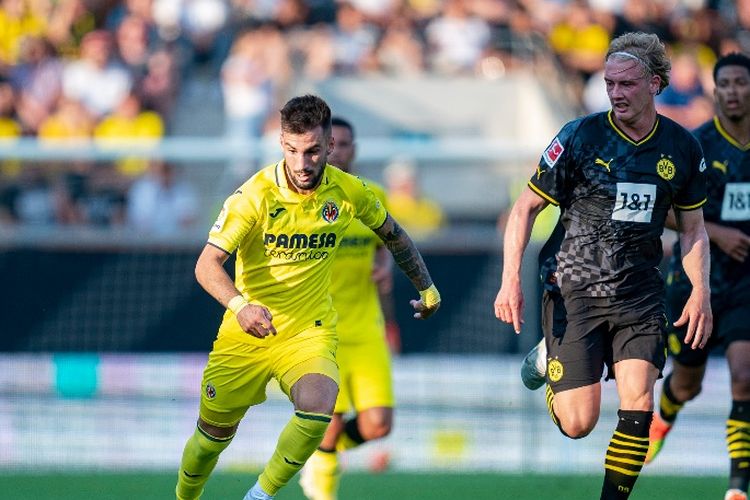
(655, 85)
(331, 142)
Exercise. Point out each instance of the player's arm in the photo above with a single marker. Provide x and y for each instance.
(408, 258)
(211, 275)
(509, 300)
(382, 275)
(730, 240)
(695, 260)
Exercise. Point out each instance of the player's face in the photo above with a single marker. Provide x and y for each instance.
(732, 92)
(343, 148)
(630, 88)
(305, 157)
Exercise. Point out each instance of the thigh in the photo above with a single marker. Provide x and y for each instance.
(234, 379)
(635, 384)
(366, 372)
(310, 351)
(575, 358)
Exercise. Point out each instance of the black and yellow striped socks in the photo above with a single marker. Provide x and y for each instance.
(198, 460)
(350, 437)
(299, 439)
(738, 445)
(550, 397)
(669, 407)
(625, 454)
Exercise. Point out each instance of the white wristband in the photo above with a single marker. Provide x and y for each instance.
(236, 304)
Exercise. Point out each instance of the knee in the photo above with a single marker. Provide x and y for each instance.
(315, 393)
(741, 383)
(577, 429)
(687, 392)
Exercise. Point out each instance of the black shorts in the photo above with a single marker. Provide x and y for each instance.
(584, 335)
(730, 312)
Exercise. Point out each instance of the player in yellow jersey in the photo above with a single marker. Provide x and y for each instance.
(361, 271)
(285, 224)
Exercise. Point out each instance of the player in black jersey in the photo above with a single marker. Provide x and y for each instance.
(615, 176)
(726, 144)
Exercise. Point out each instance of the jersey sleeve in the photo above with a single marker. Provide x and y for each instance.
(693, 192)
(237, 217)
(553, 171)
(368, 206)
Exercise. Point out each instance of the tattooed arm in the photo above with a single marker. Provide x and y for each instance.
(408, 258)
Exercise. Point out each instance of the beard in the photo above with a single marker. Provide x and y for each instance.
(310, 183)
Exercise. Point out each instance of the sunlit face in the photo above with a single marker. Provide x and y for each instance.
(305, 157)
(630, 88)
(343, 148)
(732, 92)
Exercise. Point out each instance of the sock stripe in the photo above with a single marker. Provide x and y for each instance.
(550, 397)
(214, 438)
(624, 452)
(621, 460)
(634, 440)
(621, 470)
(320, 417)
(739, 424)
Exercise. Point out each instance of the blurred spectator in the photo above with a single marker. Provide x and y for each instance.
(132, 47)
(160, 85)
(419, 215)
(71, 122)
(400, 51)
(96, 79)
(34, 200)
(17, 20)
(9, 125)
(456, 39)
(161, 202)
(103, 202)
(353, 41)
(685, 100)
(38, 81)
(247, 87)
(69, 21)
(579, 41)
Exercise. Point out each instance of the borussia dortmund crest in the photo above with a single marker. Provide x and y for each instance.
(666, 169)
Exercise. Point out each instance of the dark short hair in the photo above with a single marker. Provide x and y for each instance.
(337, 121)
(732, 59)
(303, 113)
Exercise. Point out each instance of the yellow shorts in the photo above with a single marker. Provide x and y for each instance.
(237, 373)
(365, 371)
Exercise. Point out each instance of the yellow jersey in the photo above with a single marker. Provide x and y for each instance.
(355, 294)
(285, 244)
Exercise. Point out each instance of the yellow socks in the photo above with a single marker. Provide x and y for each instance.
(297, 442)
(198, 460)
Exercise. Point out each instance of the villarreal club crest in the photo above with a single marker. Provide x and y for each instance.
(330, 211)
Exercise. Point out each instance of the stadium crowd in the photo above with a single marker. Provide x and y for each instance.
(84, 70)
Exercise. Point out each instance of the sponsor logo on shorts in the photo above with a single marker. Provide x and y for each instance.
(666, 169)
(210, 391)
(555, 370)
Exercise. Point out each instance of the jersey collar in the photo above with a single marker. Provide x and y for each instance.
(731, 140)
(279, 177)
(626, 136)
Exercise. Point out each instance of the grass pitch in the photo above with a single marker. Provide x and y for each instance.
(358, 486)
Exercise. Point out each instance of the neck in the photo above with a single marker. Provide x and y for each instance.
(739, 130)
(639, 127)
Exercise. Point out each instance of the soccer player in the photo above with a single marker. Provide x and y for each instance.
(285, 223)
(615, 176)
(361, 272)
(725, 141)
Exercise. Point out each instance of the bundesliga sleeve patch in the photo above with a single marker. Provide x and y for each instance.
(553, 152)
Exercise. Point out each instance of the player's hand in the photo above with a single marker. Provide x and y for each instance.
(732, 242)
(699, 319)
(509, 304)
(256, 320)
(428, 303)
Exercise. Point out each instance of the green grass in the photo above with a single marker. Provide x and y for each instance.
(357, 486)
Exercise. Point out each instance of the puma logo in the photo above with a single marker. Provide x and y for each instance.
(276, 212)
(720, 166)
(292, 462)
(603, 163)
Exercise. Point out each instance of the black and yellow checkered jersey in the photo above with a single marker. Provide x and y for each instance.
(285, 244)
(355, 295)
(614, 193)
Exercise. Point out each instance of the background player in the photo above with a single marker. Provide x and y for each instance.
(615, 176)
(285, 224)
(725, 141)
(361, 273)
